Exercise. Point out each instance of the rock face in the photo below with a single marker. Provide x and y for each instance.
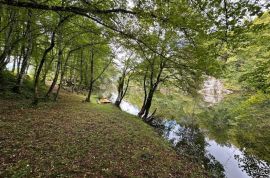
(213, 90)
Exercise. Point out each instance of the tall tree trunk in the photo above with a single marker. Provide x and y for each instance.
(52, 44)
(36, 82)
(9, 42)
(140, 114)
(14, 65)
(91, 76)
(81, 70)
(19, 65)
(26, 54)
(63, 70)
(148, 104)
(144, 113)
(59, 63)
(121, 90)
(60, 53)
(89, 92)
(43, 80)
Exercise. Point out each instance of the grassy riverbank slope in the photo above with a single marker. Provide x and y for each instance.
(70, 138)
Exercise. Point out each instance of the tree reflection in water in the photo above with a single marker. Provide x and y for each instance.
(253, 166)
(190, 141)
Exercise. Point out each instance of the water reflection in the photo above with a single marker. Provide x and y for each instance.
(190, 141)
(252, 166)
(125, 106)
(234, 162)
(220, 157)
(213, 90)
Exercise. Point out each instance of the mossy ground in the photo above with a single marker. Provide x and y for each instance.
(70, 138)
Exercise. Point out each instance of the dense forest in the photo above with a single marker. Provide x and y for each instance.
(60, 58)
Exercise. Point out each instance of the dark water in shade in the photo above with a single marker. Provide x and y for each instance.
(222, 160)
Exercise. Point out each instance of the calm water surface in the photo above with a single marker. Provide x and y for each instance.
(235, 161)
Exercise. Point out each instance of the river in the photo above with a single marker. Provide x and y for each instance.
(236, 162)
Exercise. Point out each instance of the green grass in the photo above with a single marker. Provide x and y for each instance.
(70, 138)
(8, 81)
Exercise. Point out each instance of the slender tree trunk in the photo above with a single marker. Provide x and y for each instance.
(26, 54)
(121, 90)
(63, 70)
(36, 82)
(140, 114)
(144, 113)
(81, 70)
(89, 92)
(52, 44)
(14, 65)
(59, 86)
(56, 74)
(9, 42)
(91, 76)
(19, 65)
(148, 104)
(59, 63)
(43, 80)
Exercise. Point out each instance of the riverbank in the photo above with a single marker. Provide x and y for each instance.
(235, 132)
(75, 139)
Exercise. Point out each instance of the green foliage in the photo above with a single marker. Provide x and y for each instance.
(248, 66)
(258, 77)
(241, 119)
(7, 82)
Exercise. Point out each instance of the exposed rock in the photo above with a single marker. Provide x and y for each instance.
(213, 90)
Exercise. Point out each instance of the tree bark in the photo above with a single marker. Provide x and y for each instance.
(148, 104)
(81, 70)
(26, 54)
(59, 61)
(91, 76)
(46, 70)
(63, 70)
(92, 79)
(144, 112)
(19, 65)
(14, 65)
(52, 44)
(121, 89)
(9, 42)
(36, 82)
(140, 114)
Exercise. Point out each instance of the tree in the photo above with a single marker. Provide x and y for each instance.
(126, 65)
(9, 33)
(93, 77)
(26, 51)
(45, 53)
(173, 39)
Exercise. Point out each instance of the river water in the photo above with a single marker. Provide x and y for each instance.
(235, 161)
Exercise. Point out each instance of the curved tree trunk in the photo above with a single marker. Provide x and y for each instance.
(36, 82)
(121, 90)
(52, 44)
(59, 61)
(56, 74)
